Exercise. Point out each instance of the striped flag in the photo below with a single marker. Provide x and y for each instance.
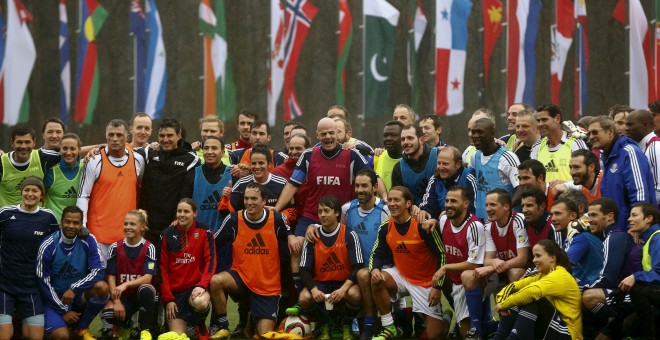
(416, 30)
(276, 64)
(92, 17)
(136, 20)
(451, 49)
(65, 65)
(298, 20)
(207, 22)
(582, 57)
(3, 28)
(345, 40)
(641, 81)
(17, 65)
(491, 13)
(523, 25)
(156, 73)
(561, 37)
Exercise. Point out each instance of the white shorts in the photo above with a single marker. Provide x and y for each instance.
(460, 304)
(419, 295)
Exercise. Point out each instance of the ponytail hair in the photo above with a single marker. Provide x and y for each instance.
(553, 249)
(141, 215)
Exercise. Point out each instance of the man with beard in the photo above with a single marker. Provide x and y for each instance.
(538, 220)
(494, 166)
(640, 129)
(463, 236)
(417, 164)
(385, 162)
(449, 172)
(243, 124)
(585, 170)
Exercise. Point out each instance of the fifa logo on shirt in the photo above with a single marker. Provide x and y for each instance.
(506, 255)
(402, 249)
(453, 250)
(327, 180)
(187, 258)
(257, 246)
(333, 263)
(551, 166)
(128, 277)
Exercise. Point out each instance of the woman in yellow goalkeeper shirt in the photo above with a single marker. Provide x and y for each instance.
(546, 304)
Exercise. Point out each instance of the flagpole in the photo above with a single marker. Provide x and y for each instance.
(480, 43)
(627, 45)
(505, 70)
(364, 71)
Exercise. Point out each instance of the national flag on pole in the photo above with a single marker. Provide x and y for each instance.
(3, 28)
(156, 73)
(582, 57)
(298, 20)
(17, 65)
(345, 40)
(416, 29)
(523, 25)
(65, 65)
(207, 22)
(92, 17)
(380, 20)
(136, 20)
(451, 49)
(276, 64)
(491, 13)
(641, 62)
(561, 37)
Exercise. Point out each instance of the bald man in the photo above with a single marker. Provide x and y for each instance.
(640, 127)
(325, 169)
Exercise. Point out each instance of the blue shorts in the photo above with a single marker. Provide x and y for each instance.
(224, 255)
(53, 318)
(303, 223)
(327, 287)
(262, 307)
(186, 311)
(22, 305)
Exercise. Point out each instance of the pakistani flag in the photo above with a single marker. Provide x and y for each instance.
(380, 20)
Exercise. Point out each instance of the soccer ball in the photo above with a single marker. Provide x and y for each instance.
(298, 325)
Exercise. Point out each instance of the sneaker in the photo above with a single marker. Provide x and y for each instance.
(221, 334)
(85, 334)
(367, 333)
(335, 331)
(294, 310)
(145, 335)
(325, 332)
(388, 332)
(472, 334)
(346, 332)
(202, 332)
(239, 331)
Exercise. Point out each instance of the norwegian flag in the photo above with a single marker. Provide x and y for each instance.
(298, 19)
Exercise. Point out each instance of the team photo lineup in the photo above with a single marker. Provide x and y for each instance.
(546, 232)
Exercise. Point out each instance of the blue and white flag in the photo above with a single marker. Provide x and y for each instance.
(65, 65)
(156, 80)
(139, 54)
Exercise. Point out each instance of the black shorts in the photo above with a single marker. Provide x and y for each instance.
(262, 307)
(21, 305)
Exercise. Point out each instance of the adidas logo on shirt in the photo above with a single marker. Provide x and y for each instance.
(551, 167)
(361, 229)
(402, 249)
(257, 246)
(120, 174)
(67, 272)
(332, 263)
(70, 193)
(211, 202)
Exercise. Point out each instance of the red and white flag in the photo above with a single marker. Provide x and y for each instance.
(561, 37)
(276, 65)
(642, 89)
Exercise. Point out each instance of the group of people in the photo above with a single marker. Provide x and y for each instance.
(555, 222)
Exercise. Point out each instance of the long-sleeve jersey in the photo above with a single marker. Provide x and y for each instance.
(273, 186)
(62, 261)
(621, 259)
(433, 200)
(187, 259)
(21, 233)
(652, 238)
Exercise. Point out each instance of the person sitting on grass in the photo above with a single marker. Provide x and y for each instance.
(328, 270)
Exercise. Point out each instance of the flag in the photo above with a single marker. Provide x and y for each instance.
(345, 40)
(3, 28)
(276, 64)
(92, 17)
(298, 19)
(17, 65)
(641, 63)
(656, 47)
(222, 68)
(582, 58)
(380, 20)
(136, 20)
(492, 17)
(561, 37)
(65, 65)
(450, 50)
(156, 72)
(207, 22)
(523, 25)
(416, 29)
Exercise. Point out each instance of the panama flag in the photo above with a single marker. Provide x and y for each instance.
(65, 65)
(156, 74)
(523, 27)
(561, 37)
(380, 19)
(345, 40)
(136, 20)
(416, 30)
(298, 20)
(17, 65)
(451, 47)
(92, 17)
(276, 64)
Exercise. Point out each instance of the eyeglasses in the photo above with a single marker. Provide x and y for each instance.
(594, 132)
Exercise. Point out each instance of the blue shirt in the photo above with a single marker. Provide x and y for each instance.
(652, 276)
(70, 172)
(433, 201)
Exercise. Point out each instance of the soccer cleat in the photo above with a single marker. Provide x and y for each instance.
(145, 335)
(388, 332)
(202, 332)
(85, 334)
(295, 310)
(472, 334)
(346, 332)
(239, 332)
(367, 333)
(325, 332)
(221, 334)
